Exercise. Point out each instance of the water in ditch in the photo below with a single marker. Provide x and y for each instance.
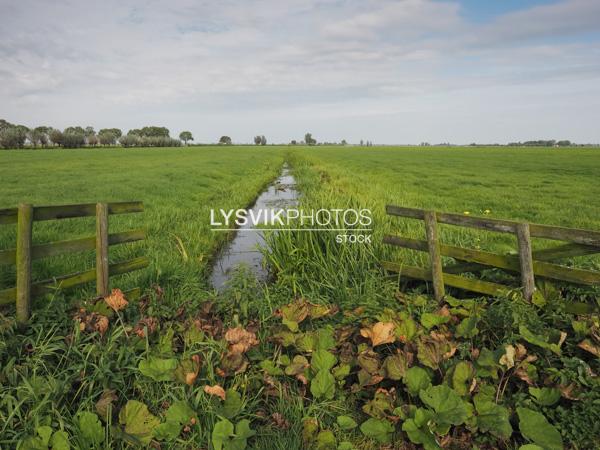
(243, 249)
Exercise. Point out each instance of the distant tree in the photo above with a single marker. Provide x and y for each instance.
(155, 131)
(257, 140)
(56, 137)
(309, 139)
(293, 142)
(362, 142)
(74, 130)
(107, 137)
(73, 138)
(129, 140)
(92, 140)
(263, 140)
(564, 143)
(39, 135)
(114, 131)
(226, 140)
(89, 131)
(13, 137)
(186, 136)
(344, 142)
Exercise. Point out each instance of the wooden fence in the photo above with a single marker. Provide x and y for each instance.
(25, 251)
(528, 263)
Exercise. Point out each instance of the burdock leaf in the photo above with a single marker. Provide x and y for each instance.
(323, 360)
(298, 365)
(430, 320)
(491, 417)
(449, 407)
(380, 430)
(158, 369)
(139, 422)
(178, 415)
(90, 428)
(416, 379)
(232, 404)
(323, 385)
(535, 427)
(346, 423)
(545, 396)
(395, 366)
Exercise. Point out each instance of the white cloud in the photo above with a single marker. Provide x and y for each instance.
(391, 71)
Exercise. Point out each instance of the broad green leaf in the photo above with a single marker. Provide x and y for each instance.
(45, 433)
(538, 340)
(467, 328)
(345, 445)
(326, 440)
(530, 447)
(178, 415)
(536, 428)
(165, 342)
(449, 407)
(310, 427)
(60, 441)
(380, 430)
(342, 371)
(545, 396)
(325, 338)
(221, 434)
(461, 377)
(380, 406)
(430, 320)
(395, 366)
(346, 422)
(159, 369)
(418, 431)
(406, 329)
(492, 418)
(415, 379)
(242, 434)
(270, 368)
(139, 422)
(323, 385)
(297, 366)
(322, 360)
(232, 404)
(90, 428)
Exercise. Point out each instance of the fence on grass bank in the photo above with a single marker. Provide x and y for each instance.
(21, 256)
(528, 263)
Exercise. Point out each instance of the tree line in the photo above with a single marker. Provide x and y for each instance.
(18, 136)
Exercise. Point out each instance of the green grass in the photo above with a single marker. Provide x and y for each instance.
(177, 185)
(53, 371)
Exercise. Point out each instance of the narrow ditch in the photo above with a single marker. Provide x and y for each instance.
(243, 249)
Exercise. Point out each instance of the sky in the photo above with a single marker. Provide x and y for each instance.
(388, 71)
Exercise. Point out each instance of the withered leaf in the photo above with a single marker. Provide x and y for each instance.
(116, 300)
(380, 333)
(215, 390)
(240, 340)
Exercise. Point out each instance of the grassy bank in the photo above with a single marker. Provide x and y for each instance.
(332, 354)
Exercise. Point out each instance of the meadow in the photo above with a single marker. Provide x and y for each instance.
(333, 354)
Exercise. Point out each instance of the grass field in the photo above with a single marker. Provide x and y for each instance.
(481, 372)
(178, 187)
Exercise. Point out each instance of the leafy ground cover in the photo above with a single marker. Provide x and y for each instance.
(332, 355)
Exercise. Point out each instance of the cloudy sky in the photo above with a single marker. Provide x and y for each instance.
(391, 71)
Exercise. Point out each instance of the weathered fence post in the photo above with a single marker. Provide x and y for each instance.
(102, 249)
(23, 262)
(435, 258)
(526, 260)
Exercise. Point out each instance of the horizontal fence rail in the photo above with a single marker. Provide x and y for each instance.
(528, 263)
(24, 253)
